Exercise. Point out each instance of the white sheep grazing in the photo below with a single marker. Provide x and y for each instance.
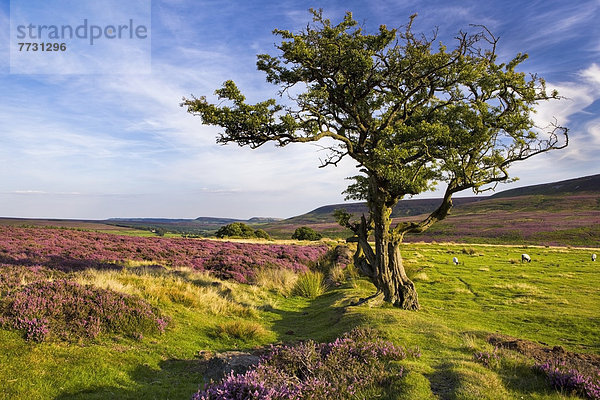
(525, 258)
(594, 257)
(455, 261)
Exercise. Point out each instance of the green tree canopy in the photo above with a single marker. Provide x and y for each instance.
(306, 233)
(411, 112)
(262, 234)
(240, 230)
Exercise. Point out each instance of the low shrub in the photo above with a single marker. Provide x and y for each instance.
(69, 311)
(310, 284)
(306, 233)
(570, 380)
(262, 234)
(235, 229)
(241, 230)
(351, 367)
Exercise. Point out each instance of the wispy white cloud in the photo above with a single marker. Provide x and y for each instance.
(120, 145)
(549, 25)
(580, 157)
(592, 75)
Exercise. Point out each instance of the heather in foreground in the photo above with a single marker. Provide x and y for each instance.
(570, 380)
(69, 311)
(353, 366)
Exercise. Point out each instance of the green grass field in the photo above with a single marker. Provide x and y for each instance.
(555, 300)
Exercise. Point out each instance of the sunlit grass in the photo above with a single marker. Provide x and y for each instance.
(185, 287)
(279, 280)
(554, 300)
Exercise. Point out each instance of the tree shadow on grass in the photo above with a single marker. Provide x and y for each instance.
(523, 380)
(174, 379)
(444, 381)
(323, 319)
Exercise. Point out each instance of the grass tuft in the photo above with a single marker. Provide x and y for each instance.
(468, 250)
(310, 285)
(421, 276)
(280, 280)
(241, 330)
(186, 287)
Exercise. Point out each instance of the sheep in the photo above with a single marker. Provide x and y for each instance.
(525, 258)
(594, 257)
(455, 260)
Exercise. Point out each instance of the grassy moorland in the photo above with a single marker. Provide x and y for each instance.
(559, 213)
(552, 301)
(537, 219)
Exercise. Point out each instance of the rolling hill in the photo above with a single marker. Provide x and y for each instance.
(571, 186)
(558, 213)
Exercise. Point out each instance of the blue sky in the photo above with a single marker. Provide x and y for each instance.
(118, 145)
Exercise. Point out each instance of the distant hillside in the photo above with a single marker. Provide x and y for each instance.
(62, 223)
(404, 208)
(585, 184)
(560, 213)
(215, 221)
(261, 220)
(407, 208)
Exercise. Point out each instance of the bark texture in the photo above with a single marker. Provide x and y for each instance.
(384, 264)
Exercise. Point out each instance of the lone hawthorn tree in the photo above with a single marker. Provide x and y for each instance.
(409, 114)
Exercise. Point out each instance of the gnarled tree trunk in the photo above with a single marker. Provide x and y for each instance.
(384, 265)
(397, 288)
(391, 278)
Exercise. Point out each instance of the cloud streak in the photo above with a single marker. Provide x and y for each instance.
(99, 146)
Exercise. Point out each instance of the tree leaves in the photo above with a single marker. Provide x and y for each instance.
(410, 113)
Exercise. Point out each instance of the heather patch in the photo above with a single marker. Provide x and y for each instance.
(570, 381)
(68, 250)
(69, 311)
(353, 366)
(567, 372)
